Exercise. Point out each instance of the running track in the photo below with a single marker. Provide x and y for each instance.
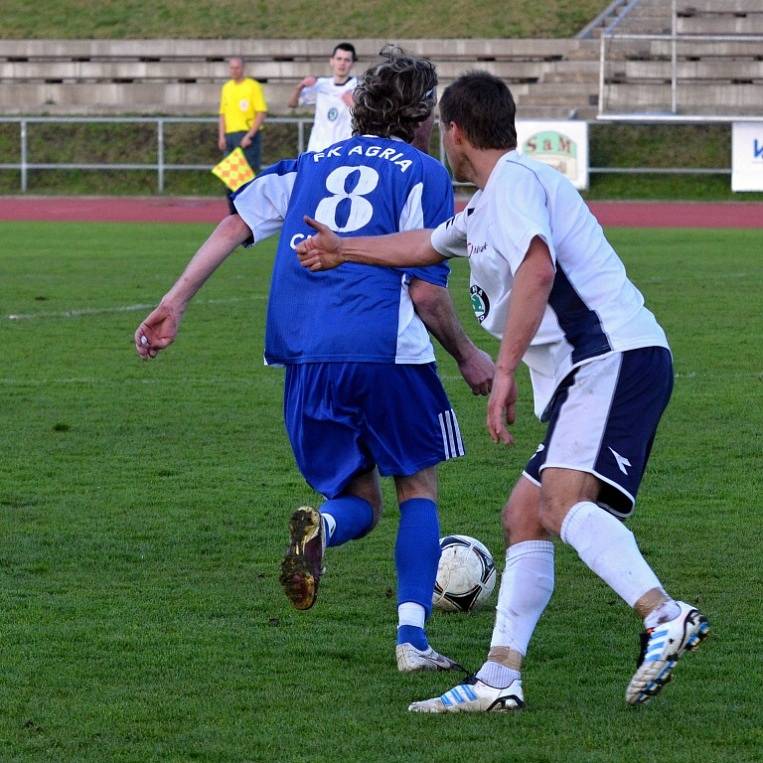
(184, 210)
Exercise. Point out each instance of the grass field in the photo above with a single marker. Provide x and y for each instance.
(294, 18)
(143, 511)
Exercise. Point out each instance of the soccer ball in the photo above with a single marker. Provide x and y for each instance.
(465, 576)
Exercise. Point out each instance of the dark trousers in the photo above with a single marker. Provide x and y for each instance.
(251, 152)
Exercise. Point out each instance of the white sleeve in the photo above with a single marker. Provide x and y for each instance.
(262, 204)
(520, 213)
(449, 238)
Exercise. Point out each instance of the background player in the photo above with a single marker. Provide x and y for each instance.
(332, 97)
(361, 391)
(547, 282)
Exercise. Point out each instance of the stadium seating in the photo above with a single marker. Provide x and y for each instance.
(714, 77)
(550, 78)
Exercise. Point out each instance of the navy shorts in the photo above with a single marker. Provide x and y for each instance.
(603, 419)
(345, 418)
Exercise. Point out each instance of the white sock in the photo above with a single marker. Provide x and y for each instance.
(329, 525)
(668, 610)
(410, 613)
(496, 675)
(608, 547)
(526, 587)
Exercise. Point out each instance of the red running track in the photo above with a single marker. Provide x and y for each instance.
(656, 214)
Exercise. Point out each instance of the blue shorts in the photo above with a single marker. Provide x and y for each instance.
(345, 418)
(603, 419)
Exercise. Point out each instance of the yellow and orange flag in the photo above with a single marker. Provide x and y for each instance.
(234, 170)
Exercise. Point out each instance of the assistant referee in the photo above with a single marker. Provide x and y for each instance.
(242, 112)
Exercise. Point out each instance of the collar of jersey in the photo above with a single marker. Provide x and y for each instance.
(380, 137)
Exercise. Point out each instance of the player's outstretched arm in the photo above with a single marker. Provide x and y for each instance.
(326, 250)
(159, 329)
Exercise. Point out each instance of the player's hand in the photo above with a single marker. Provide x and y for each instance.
(157, 331)
(348, 99)
(322, 251)
(221, 144)
(246, 141)
(309, 81)
(500, 407)
(478, 371)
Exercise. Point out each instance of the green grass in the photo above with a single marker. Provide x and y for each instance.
(294, 18)
(143, 509)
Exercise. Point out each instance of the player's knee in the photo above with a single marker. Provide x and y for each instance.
(551, 513)
(520, 522)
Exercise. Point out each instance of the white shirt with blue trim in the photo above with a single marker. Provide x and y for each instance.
(593, 309)
(333, 120)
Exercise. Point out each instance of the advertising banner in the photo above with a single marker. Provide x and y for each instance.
(747, 156)
(562, 144)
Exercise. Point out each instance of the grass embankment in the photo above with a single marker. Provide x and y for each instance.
(83, 19)
(656, 146)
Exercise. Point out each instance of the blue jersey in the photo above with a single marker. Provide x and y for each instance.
(364, 186)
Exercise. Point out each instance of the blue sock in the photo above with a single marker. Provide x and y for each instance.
(410, 634)
(417, 552)
(352, 518)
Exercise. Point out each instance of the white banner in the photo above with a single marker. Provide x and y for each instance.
(562, 144)
(747, 156)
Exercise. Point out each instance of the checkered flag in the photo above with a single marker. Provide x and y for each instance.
(234, 170)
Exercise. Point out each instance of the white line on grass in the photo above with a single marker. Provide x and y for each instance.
(88, 311)
(101, 382)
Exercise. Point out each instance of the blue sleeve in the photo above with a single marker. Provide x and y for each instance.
(437, 204)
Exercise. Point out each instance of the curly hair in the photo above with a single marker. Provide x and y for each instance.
(394, 96)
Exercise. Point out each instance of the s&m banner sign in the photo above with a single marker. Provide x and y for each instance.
(562, 144)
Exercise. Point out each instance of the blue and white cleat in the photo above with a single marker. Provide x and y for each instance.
(661, 648)
(412, 660)
(474, 696)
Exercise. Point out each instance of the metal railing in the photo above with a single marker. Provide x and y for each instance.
(161, 167)
(674, 38)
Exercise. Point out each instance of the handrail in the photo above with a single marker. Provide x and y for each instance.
(161, 167)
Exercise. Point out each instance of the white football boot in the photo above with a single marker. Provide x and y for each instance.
(410, 659)
(661, 647)
(474, 696)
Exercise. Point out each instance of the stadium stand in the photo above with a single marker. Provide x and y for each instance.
(713, 76)
(550, 78)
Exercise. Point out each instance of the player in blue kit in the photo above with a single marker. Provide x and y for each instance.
(362, 397)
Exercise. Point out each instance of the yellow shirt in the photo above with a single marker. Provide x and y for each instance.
(239, 101)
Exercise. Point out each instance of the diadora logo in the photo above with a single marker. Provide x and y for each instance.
(475, 248)
(622, 462)
(480, 303)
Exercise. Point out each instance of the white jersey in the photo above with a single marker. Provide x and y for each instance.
(593, 309)
(333, 121)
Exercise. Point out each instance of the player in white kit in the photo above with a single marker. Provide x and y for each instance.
(332, 98)
(545, 281)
